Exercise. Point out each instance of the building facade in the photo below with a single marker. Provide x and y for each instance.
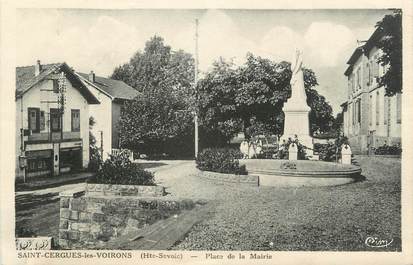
(52, 120)
(112, 94)
(370, 119)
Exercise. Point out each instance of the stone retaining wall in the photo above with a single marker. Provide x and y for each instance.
(90, 221)
(231, 178)
(124, 190)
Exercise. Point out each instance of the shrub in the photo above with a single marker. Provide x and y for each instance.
(327, 152)
(331, 151)
(222, 160)
(388, 150)
(120, 170)
(95, 158)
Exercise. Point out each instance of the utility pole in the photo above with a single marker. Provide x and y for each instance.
(195, 87)
(101, 145)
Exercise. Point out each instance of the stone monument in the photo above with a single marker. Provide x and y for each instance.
(292, 152)
(296, 110)
(346, 154)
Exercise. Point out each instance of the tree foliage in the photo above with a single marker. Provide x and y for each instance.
(157, 66)
(228, 99)
(250, 98)
(391, 45)
(160, 117)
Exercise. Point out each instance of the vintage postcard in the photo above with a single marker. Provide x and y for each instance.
(243, 133)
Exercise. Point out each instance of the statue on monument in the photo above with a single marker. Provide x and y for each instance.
(298, 96)
(296, 65)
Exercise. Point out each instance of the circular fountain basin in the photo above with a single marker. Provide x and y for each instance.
(301, 172)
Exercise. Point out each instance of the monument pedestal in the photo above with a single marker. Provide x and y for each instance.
(296, 125)
(296, 122)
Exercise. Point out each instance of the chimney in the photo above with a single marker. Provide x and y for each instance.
(92, 77)
(37, 68)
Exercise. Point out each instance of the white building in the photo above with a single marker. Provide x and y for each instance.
(52, 116)
(112, 95)
(371, 119)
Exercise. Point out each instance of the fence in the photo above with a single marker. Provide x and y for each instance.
(116, 152)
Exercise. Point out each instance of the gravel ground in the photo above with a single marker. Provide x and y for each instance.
(264, 218)
(302, 218)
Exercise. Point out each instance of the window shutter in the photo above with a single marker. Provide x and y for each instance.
(42, 121)
(366, 75)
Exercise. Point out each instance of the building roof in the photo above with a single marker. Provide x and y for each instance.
(26, 79)
(356, 54)
(374, 38)
(349, 70)
(364, 49)
(115, 88)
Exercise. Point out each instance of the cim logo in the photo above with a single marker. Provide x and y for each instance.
(376, 242)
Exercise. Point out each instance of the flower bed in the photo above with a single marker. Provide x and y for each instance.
(221, 160)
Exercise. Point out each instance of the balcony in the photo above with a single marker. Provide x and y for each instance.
(46, 137)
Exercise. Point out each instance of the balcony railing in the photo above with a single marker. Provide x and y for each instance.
(52, 137)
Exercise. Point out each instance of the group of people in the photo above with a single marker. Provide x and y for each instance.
(254, 147)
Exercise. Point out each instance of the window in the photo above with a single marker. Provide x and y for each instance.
(37, 164)
(377, 108)
(358, 79)
(376, 66)
(368, 77)
(371, 110)
(75, 120)
(34, 119)
(55, 122)
(385, 110)
(399, 107)
(357, 112)
(353, 86)
(55, 85)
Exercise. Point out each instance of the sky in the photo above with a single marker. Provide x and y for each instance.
(100, 40)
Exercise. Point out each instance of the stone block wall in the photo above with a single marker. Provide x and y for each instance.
(124, 190)
(230, 178)
(90, 221)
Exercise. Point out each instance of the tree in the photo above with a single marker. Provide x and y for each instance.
(157, 66)
(391, 44)
(160, 119)
(155, 120)
(250, 98)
